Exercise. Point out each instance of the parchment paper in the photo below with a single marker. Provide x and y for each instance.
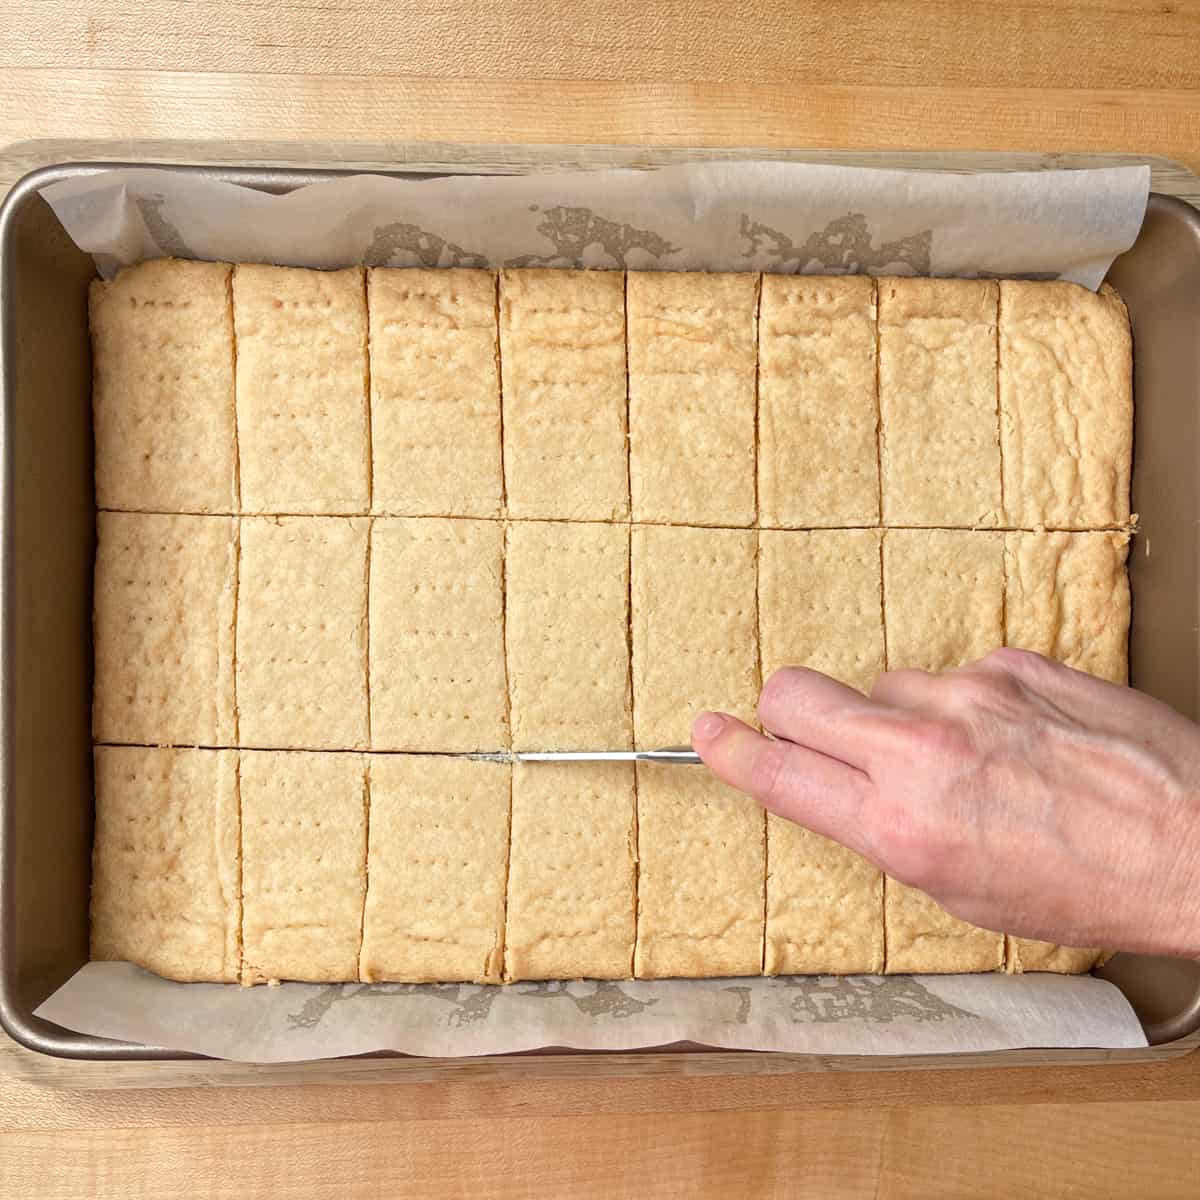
(784, 217)
(727, 216)
(856, 1014)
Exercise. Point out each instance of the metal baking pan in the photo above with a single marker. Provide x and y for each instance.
(47, 540)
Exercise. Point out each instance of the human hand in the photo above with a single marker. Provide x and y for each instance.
(1020, 794)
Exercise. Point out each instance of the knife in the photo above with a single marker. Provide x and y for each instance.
(661, 756)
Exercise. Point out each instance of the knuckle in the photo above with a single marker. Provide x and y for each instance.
(778, 694)
(1013, 661)
(939, 739)
(1003, 656)
(778, 687)
(890, 682)
(969, 690)
(977, 696)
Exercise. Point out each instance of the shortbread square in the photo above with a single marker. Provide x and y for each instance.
(562, 338)
(701, 875)
(818, 411)
(304, 865)
(566, 632)
(824, 905)
(302, 633)
(820, 603)
(943, 596)
(162, 388)
(165, 863)
(1066, 405)
(163, 630)
(437, 865)
(437, 635)
(302, 415)
(695, 629)
(692, 365)
(924, 939)
(435, 393)
(1067, 597)
(940, 433)
(571, 872)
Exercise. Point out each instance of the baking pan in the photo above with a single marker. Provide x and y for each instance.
(47, 540)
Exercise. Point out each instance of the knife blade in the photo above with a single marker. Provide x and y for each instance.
(671, 755)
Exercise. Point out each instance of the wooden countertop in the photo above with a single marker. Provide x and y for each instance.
(1078, 75)
(1084, 76)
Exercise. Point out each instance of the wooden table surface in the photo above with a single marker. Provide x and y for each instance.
(1039, 76)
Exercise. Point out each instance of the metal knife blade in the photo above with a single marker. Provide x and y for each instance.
(663, 756)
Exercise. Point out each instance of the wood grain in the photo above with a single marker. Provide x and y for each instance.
(1085, 75)
(921, 1154)
(293, 81)
(671, 1155)
(1132, 44)
(143, 103)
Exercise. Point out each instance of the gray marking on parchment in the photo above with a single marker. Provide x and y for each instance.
(572, 231)
(843, 247)
(170, 240)
(471, 1002)
(609, 999)
(402, 244)
(468, 1002)
(876, 999)
(742, 995)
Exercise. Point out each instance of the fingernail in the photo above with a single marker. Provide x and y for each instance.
(707, 725)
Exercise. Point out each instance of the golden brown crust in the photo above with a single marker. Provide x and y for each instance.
(165, 862)
(437, 635)
(817, 408)
(304, 861)
(163, 629)
(162, 388)
(569, 690)
(939, 438)
(303, 445)
(439, 847)
(692, 356)
(435, 392)
(562, 336)
(695, 635)
(571, 869)
(1066, 405)
(701, 876)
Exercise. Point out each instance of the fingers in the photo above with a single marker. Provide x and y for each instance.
(904, 689)
(821, 793)
(813, 710)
